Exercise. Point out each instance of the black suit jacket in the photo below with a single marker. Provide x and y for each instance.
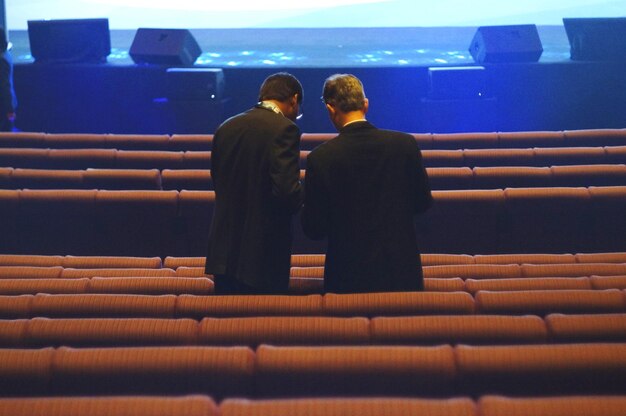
(255, 171)
(362, 191)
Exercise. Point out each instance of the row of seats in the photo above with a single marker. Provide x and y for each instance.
(202, 405)
(100, 158)
(275, 330)
(301, 371)
(463, 271)
(299, 260)
(162, 223)
(178, 142)
(162, 159)
(519, 302)
(18, 282)
(200, 179)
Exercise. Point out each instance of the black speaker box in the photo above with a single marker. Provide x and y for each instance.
(195, 84)
(596, 39)
(70, 40)
(164, 47)
(499, 44)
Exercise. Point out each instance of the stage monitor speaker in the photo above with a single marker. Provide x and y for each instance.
(69, 41)
(499, 44)
(596, 39)
(195, 84)
(176, 47)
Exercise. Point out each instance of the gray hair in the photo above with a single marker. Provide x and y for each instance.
(345, 92)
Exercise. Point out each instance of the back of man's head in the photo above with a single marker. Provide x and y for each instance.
(280, 87)
(344, 92)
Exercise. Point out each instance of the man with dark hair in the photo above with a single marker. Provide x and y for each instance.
(255, 171)
(362, 191)
(8, 102)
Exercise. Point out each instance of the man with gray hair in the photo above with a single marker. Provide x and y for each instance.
(362, 191)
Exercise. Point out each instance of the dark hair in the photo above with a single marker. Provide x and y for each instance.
(4, 44)
(345, 92)
(281, 87)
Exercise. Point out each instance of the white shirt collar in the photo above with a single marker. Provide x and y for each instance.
(354, 121)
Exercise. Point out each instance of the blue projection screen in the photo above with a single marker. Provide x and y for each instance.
(207, 14)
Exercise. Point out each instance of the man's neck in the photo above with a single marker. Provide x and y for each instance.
(272, 105)
(352, 117)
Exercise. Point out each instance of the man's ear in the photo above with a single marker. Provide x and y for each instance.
(366, 105)
(331, 111)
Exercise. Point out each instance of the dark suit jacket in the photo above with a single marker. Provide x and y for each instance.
(254, 165)
(362, 191)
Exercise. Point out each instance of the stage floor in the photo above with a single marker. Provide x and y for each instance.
(324, 48)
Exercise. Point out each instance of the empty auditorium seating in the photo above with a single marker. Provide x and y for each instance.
(196, 211)
(442, 158)
(96, 262)
(542, 369)
(398, 303)
(47, 179)
(150, 285)
(608, 205)
(543, 302)
(573, 270)
(138, 141)
(34, 286)
(541, 220)
(15, 307)
(595, 137)
(475, 271)
(450, 178)
(30, 272)
(69, 273)
(103, 292)
(194, 142)
(528, 283)
(511, 177)
(53, 222)
(99, 305)
(474, 217)
(140, 222)
(532, 139)
(122, 179)
(465, 140)
(499, 157)
(25, 371)
(236, 306)
(354, 371)
(458, 329)
(153, 370)
(30, 260)
(588, 175)
(81, 158)
(190, 179)
(354, 406)
(102, 332)
(24, 158)
(195, 405)
(75, 141)
(448, 284)
(608, 282)
(587, 328)
(599, 405)
(196, 160)
(308, 330)
(21, 139)
(525, 258)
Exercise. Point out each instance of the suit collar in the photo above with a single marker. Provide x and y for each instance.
(356, 126)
